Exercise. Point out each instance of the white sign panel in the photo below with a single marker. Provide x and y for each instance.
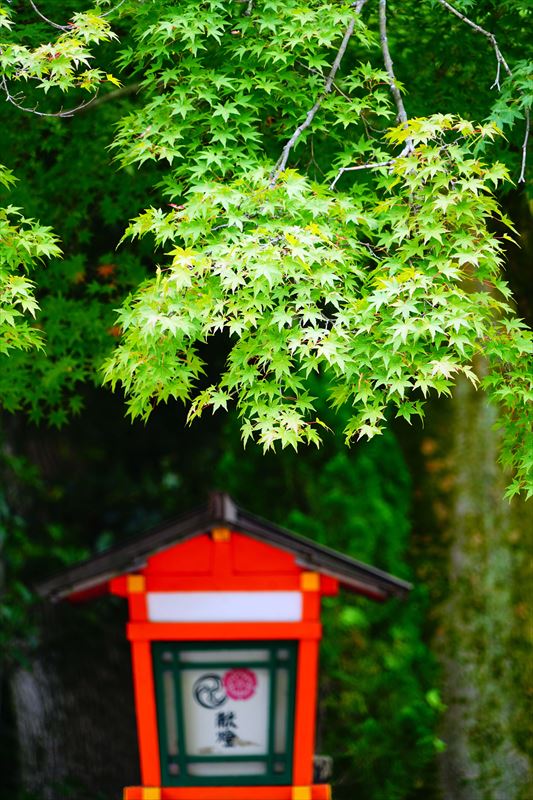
(224, 606)
(226, 711)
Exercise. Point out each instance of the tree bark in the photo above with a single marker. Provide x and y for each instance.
(74, 708)
(67, 708)
(477, 565)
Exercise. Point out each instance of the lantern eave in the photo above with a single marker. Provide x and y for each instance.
(92, 576)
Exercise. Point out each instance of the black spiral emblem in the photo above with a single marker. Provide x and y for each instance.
(209, 692)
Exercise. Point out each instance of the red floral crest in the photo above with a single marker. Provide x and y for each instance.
(240, 684)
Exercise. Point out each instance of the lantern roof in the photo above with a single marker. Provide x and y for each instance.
(91, 576)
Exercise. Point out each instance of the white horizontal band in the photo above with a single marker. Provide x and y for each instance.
(224, 606)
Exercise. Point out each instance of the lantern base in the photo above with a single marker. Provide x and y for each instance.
(319, 791)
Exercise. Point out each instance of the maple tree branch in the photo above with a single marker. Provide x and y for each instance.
(389, 67)
(501, 62)
(402, 114)
(282, 161)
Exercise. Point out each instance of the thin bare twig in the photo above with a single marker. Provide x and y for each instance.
(370, 165)
(282, 161)
(69, 27)
(112, 10)
(313, 160)
(49, 21)
(501, 62)
(64, 114)
(522, 177)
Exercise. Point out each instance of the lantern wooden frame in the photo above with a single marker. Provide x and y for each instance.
(278, 573)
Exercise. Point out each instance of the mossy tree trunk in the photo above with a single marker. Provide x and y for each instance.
(474, 553)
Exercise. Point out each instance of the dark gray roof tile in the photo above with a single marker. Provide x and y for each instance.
(222, 511)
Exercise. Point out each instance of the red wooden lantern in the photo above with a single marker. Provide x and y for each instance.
(224, 625)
